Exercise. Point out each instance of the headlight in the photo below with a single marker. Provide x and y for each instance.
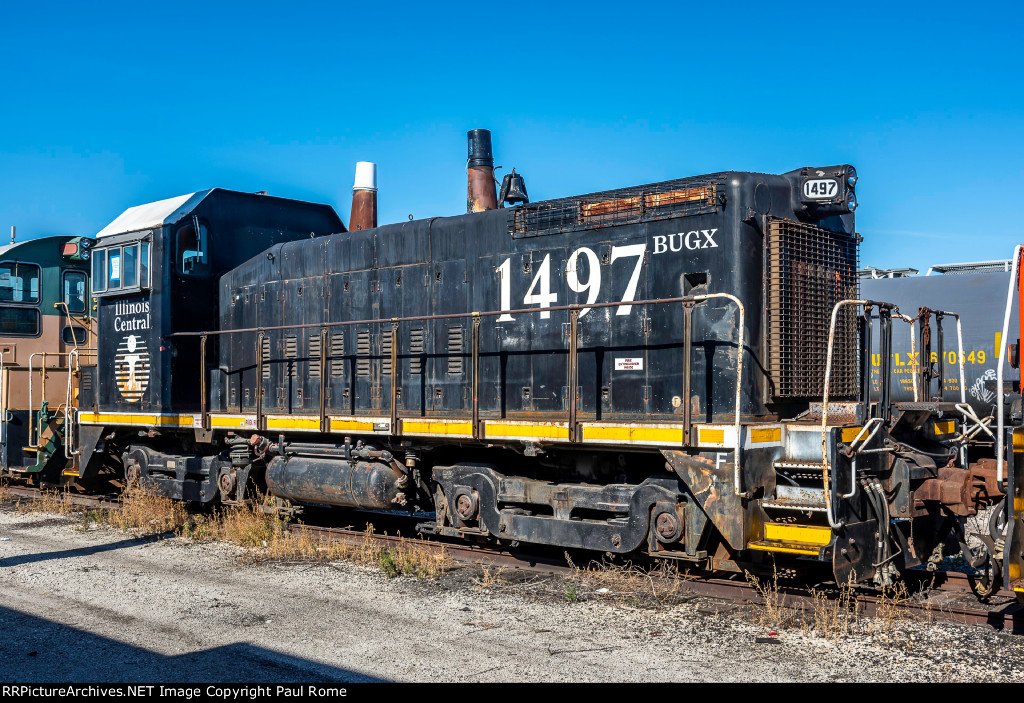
(85, 255)
(851, 177)
(851, 201)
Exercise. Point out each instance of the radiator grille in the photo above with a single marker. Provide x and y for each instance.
(337, 353)
(314, 356)
(657, 201)
(416, 347)
(291, 351)
(266, 357)
(363, 353)
(810, 269)
(385, 353)
(454, 350)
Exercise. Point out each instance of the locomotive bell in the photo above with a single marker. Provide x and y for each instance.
(513, 189)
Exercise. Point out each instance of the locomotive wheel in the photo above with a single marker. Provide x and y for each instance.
(226, 484)
(668, 527)
(132, 474)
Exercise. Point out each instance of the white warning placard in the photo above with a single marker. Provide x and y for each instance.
(629, 364)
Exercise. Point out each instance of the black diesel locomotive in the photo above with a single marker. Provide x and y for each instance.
(637, 370)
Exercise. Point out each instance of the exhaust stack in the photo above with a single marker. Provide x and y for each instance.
(364, 197)
(481, 194)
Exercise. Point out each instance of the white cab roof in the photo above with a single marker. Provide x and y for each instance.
(152, 215)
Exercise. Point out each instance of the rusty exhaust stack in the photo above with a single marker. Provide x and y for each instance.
(481, 194)
(364, 197)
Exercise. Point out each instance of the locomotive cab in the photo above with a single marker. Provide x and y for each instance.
(155, 270)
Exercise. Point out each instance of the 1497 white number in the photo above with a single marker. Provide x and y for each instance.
(540, 294)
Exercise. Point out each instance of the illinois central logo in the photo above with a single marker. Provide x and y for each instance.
(131, 368)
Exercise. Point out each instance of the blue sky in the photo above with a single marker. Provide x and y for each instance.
(108, 105)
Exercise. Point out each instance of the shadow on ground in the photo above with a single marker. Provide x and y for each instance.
(37, 649)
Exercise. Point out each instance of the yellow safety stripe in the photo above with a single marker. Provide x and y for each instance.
(233, 421)
(437, 427)
(945, 427)
(848, 434)
(137, 419)
(344, 425)
(709, 436)
(765, 435)
(291, 422)
(785, 549)
(803, 534)
(633, 433)
(526, 430)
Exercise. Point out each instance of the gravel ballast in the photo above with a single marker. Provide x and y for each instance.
(104, 606)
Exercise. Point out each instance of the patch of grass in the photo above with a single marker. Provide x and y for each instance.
(142, 512)
(771, 612)
(56, 502)
(890, 617)
(835, 617)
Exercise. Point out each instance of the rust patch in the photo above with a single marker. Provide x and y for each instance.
(711, 485)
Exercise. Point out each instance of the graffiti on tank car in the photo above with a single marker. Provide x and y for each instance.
(979, 391)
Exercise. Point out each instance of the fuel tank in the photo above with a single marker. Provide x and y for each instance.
(357, 484)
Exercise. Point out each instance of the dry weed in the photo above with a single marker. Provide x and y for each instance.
(891, 616)
(772, 612)
(835, 618)
(142, 512)
(57, 502)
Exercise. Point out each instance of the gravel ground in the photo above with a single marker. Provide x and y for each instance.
(104, 606)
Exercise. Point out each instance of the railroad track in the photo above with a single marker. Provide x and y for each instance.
(944, 600)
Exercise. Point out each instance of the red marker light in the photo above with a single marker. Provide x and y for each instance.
(69, 249)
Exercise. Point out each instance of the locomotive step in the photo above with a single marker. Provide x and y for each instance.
(793, 539)
(798, 498)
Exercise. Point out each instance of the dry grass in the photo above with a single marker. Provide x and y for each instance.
(772, 612)
(56, 502)
(142, 512)
(263, 535)
(834, 617)
(269, 538)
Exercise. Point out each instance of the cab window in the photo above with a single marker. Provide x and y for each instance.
(99, 269)
(74, 335)
(19, 322)
(74, 291)
(19, 283)
(120, 268)
(193, 256)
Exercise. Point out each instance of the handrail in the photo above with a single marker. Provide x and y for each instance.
(1000, 439)
(476, 316)
(451, 316)
(3, 420)
(69, 410)
(824, 402)
(913, 351)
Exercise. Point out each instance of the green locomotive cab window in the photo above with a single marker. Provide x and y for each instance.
(130, 266)
(19, 283)
(193, 257)
(114, 269)
(74, 335)
(74, 291)
(19, 322)
(99, 266)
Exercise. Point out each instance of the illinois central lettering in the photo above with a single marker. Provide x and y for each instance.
(692, 240)
(131, 317)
